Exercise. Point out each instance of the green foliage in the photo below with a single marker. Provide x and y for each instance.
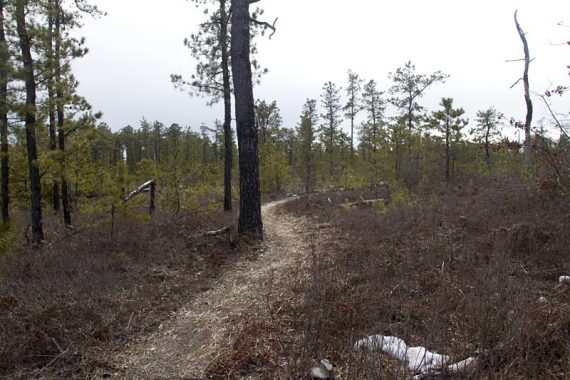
(7, 239)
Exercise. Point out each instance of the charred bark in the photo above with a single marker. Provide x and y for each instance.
(30, 125)
(249, 221)
(60, 110)
(52, 121)
(228, 146)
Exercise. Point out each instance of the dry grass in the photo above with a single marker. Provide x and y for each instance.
(458, 272)
(65, 307)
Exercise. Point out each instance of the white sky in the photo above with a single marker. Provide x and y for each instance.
(135, 48)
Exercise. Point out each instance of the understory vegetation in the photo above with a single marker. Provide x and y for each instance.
(470, 271)
(64, 309)
(448, 232)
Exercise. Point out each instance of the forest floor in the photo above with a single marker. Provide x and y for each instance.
(468, 271)
(197, 334)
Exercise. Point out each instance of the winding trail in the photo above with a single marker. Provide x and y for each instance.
(183, 346)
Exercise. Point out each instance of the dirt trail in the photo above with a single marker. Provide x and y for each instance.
(183, 346)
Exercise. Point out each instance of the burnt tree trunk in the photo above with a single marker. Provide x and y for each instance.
(249, 221)
(447, 149)
(4, 58)
(528, 101)
(60, 110)
(30, 81)
(152, 206)
(487, 149)
(228, 159)
(51, 101)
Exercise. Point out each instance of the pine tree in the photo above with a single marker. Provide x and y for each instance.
(374, 106)
(249, 221)
(5, 70)
(353, 106)
(448, 121)
(30, 116)
(211, 47)
(408, 88)
(488, 122)
(306, 136)
(330, 101)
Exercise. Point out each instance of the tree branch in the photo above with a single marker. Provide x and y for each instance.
(265, 24)
(556, 121)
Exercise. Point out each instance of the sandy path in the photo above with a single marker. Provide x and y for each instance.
(184, 345)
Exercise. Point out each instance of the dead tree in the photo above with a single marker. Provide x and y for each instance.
(528, 101)
(148, 186)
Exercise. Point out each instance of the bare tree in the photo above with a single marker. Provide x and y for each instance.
(528, 101)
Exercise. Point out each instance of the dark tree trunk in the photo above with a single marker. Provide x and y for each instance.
(228, 146)
(4, 57)
(60, 104)
(528, 101)
(487, 151)
(352, 112)
(447, 149)
(51, 101)
(152, 206)
(250, 203)
(29, 79)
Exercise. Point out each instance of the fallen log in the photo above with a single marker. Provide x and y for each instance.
(145, 187)
(363, 202)
(230, 230)
(218, 232)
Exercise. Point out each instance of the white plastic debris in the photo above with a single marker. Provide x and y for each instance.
(324, 372)
(393, 346)
(421, 360)
(562, 279)
(326, 364)
(542, 300)
(418, 359)
(319, 373)
(463, 366)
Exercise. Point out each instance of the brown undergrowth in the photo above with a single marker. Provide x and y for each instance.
(460, 271)
(65, 307)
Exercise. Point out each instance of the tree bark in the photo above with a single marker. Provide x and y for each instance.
(30, 81)
(51, 99)
(4, 62)
(528, 101)
(60, 108)
(249, 221)
(228, 146)
(447, 148)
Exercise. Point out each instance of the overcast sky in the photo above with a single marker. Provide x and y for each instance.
(135, 48)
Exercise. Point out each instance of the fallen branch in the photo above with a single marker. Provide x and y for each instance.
(218, 232)
(141, 189)
(362, 202)
(327, 201)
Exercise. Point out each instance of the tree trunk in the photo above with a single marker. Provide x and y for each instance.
(4, 63)
(30, 81)
(528, 101)
(228, 146)
(352, 133)
(487, 151)
(249, 221)
(60, 104)
(52, 100)
(447, 150)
